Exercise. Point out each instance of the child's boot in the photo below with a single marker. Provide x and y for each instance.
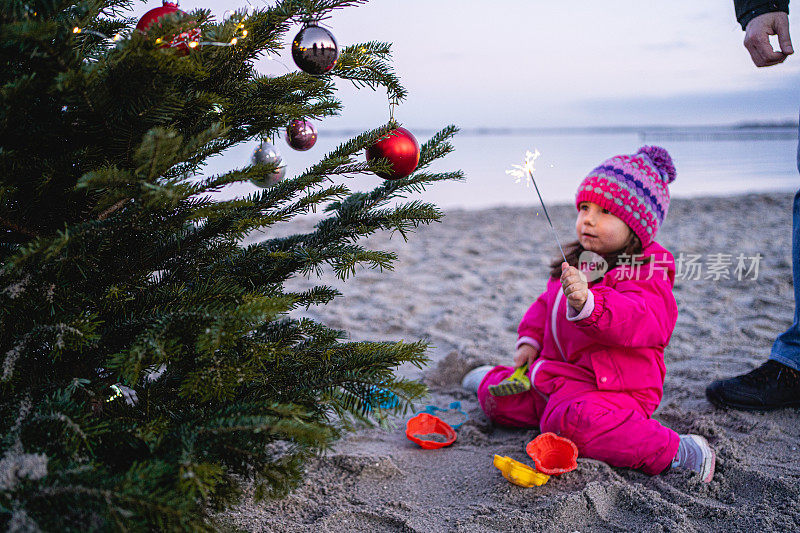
(473, 379)
(694, 453)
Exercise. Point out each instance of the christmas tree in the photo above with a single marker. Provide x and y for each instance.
(151, 362)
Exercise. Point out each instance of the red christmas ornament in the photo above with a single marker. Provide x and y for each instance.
(401, 149)
(182, 41)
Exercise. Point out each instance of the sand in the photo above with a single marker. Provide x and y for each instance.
(463, 285)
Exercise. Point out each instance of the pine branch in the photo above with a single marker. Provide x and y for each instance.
(17, 228)
(165, 515)
(118, 266)
(437, 146)
(367, 65)
(347, 258)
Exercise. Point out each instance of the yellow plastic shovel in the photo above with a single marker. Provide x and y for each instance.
(514, 384)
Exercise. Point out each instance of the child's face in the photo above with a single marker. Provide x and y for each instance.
(600, 231)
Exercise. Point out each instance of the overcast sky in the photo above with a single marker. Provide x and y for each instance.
(531, 63)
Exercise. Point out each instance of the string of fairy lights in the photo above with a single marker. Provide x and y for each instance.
(189, 38)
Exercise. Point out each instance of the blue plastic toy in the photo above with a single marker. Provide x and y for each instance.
(382, 398)
(454, 406)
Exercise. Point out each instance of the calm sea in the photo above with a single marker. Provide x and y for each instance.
(710, 161)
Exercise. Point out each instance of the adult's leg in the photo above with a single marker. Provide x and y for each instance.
(786, 348)
(516, 410)
(776, 383)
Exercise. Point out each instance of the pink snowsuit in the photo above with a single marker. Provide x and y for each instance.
(600, 373)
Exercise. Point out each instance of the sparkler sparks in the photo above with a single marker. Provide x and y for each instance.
(526, 171)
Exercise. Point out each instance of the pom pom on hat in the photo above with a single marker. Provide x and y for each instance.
(661, 160)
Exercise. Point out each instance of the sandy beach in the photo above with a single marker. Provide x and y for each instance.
(463, 285)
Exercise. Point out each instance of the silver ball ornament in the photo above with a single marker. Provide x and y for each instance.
(314, 50)
(267, 154)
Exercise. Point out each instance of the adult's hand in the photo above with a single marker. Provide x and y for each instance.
(756, 38)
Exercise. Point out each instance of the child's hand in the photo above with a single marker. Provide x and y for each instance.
(525, 354)
(575, 286)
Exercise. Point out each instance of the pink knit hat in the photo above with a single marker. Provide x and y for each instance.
(633, 188)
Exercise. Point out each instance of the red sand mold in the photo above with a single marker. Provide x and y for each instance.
(424, 425)
(552, 454)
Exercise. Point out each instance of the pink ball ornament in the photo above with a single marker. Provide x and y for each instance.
(301, 134)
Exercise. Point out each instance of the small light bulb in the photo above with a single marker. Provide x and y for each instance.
(117, 393)
(244, 33)
(194, 44)
(234, 40)
(117, 37)
(76, 30)
(158, 41)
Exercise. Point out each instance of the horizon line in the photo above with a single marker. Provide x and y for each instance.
(738, 128)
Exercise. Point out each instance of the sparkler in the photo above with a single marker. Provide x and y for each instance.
(526, 171)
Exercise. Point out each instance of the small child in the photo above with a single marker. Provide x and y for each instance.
(596, 358)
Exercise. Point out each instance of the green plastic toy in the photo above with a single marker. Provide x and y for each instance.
(514, 384)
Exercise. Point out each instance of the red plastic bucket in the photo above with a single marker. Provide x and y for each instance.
(430, 432)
